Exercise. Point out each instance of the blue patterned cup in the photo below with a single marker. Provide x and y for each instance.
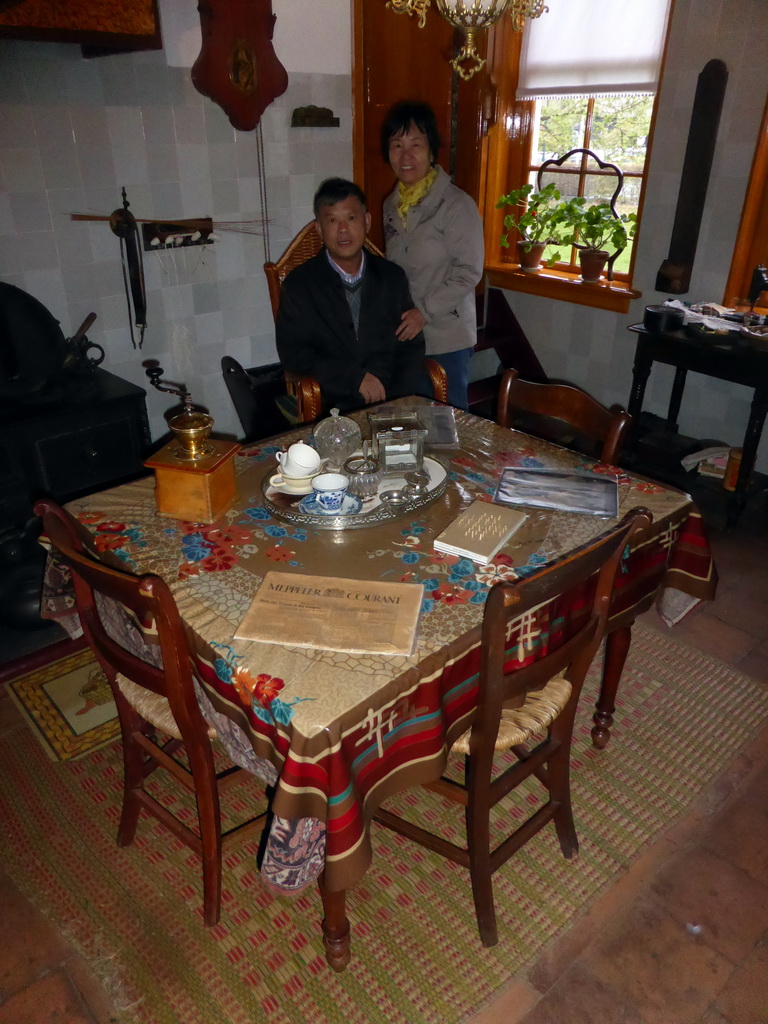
(330, 489)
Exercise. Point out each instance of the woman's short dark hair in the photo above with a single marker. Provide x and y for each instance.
(400, 118)
(336, 190)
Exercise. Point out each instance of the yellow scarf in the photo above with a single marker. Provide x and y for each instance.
(410, 195)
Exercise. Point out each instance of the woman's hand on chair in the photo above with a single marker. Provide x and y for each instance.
(411, 322)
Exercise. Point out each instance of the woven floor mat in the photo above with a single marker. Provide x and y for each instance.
(135, 913)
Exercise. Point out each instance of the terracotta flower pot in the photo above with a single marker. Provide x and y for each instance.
(592, 264)
(530, 259)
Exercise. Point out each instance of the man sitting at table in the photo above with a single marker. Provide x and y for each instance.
(340, 311)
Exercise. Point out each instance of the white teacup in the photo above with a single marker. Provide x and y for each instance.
(299, 461)
(299, 484)
(330, 489)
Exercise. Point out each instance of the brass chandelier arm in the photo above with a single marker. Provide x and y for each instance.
(417, 7)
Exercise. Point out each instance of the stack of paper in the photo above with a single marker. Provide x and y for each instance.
(480, 531)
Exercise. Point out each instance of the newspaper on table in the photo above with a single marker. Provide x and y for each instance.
(333, 614)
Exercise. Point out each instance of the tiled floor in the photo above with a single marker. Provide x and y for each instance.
(682, 938)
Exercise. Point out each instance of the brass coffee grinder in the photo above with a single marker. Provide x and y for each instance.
(194, 475)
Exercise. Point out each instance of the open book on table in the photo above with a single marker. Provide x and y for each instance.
(568, 490)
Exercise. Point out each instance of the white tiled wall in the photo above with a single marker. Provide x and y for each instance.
(74, 131)
(592, 347)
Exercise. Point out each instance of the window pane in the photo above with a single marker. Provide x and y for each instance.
(620, 128)
(560, 124)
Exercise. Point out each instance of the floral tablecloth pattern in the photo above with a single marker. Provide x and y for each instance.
(344, 731)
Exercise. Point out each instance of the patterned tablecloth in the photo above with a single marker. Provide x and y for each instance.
(338, 733)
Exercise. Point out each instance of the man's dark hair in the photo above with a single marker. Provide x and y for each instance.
(400, 118)
(336, 190)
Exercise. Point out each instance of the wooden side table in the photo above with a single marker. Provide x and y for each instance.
(739, 363)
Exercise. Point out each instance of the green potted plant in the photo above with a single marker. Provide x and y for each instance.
(543, 220)
(599, 233)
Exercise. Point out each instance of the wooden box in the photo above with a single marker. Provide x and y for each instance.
(200, 492)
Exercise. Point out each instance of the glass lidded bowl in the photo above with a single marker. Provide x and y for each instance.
(363, 474)
(336, 438)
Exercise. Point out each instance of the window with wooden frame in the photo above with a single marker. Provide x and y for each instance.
(751, 249)
(556, 95)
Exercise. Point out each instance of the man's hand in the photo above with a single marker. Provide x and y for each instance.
(411, 322)
(372, 389)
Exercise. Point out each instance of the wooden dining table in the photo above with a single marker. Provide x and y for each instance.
(336, 733)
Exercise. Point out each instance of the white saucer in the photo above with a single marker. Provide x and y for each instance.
(303, 488)
(350, 505)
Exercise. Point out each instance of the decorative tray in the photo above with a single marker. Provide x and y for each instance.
(373, 511)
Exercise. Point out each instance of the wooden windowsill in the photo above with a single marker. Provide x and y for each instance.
(558, 284)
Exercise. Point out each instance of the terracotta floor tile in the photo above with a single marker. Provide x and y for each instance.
(510, 1007)
(92, 991)
(652, 963)
(707, 633)
(740, 835)
(744, 1000)
(754, 665)
(756, 789)
(704, 891)
(739, 608)
(51, 1000)
(581, 998)
(29, 943)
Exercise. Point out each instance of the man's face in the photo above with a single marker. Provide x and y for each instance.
(343, 228)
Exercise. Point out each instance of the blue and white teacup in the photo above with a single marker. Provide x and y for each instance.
(330, 489)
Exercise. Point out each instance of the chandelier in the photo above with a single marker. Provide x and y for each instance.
(470, 16)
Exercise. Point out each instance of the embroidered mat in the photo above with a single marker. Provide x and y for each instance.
(68, 705)
(135, 913)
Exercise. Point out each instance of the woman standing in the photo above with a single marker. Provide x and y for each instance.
(434, 232)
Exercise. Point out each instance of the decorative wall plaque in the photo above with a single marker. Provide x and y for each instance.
(237, 67)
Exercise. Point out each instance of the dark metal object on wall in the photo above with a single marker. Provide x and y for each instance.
(237, 66)
(674, 274)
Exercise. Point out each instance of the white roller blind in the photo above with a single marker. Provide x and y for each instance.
(593, 47)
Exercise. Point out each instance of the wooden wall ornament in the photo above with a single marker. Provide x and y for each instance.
(237, 66)
(674, 274)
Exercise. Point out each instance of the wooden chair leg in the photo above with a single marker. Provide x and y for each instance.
(209, 822)
(478, 826)
(134, 769)
(559, 777)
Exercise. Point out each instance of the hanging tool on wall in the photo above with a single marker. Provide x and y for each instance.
(124, 225)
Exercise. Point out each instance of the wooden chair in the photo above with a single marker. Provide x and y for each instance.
(154, 694)
(564, 414)
(306, 390)
(516, 704)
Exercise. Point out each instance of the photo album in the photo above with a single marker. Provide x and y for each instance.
(565, 490)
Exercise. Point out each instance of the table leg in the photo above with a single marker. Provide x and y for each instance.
(676, 397)
(616, 650)
(757, 414)
(335, 927)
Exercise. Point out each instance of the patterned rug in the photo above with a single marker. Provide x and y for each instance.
(135, 913)
(68, 705)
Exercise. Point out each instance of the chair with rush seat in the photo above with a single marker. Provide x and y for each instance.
(154, 690)
(525, 707)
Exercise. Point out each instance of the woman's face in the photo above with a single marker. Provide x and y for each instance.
(409, 155)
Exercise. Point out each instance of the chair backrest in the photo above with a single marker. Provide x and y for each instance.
(588, 573)
(303, 247)
(144, 599)
(254, 397)
(544, 410)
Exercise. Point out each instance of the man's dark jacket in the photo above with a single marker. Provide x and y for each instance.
(316, 335)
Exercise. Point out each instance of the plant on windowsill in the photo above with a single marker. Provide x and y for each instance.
(544, 220)
(600, 233)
